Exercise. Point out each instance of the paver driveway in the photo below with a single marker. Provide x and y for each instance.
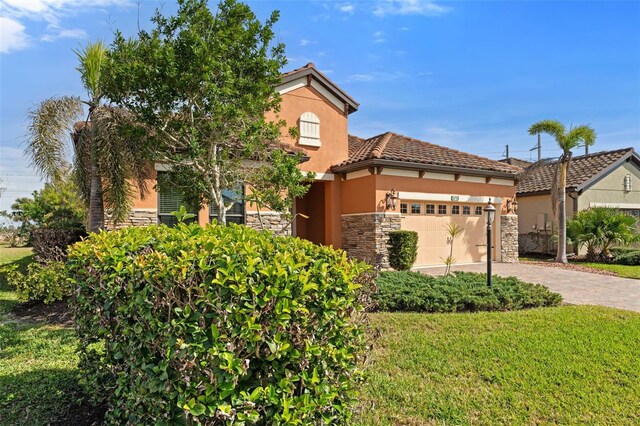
(580, 288)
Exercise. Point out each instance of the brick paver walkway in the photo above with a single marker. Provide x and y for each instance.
(579, 288)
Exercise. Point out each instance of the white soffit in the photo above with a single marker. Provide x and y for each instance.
(423, 196)
(400, 172)
(474, 179)
(292, 85)
(334, 100)
(358, 174)
(505, 182)
(324, 176)
(439, 176)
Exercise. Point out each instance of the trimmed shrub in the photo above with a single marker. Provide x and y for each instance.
(617, 251)
(42, 282)
(51, 244)
(632, 259)
(218, 325)
(403, 249)
(460, 292)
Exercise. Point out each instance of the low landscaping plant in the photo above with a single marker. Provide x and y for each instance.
(218, 325)
(41, 282)
(51, 244)
(632, 258)
(460, 292)
(403, 249)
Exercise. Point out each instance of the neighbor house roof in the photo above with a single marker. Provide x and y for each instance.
(392, 149)
(523, 164)
(311, 72)
(584, 170)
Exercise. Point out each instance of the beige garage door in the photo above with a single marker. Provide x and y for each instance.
(430, 221)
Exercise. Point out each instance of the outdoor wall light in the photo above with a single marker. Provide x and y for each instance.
(514, 205)
(627, 183)
(489, 216)
(392, 199)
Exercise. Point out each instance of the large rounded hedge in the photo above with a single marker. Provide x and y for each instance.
(218, 325)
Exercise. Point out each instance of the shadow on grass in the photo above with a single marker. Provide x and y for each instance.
(46, 397)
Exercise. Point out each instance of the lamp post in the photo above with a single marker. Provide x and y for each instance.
(489, 216)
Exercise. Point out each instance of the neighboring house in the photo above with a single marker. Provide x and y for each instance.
(351, 203)
(608, 178)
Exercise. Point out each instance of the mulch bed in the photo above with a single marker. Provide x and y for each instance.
(57, 313)
(569, 266)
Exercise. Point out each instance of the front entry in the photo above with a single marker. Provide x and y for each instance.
(312, 205)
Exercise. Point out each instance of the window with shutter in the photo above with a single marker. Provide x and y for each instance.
(170, 198)
(309, 128)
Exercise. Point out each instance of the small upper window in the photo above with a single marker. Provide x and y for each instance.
(403, 207)
(430, 209)
(478, 211)
(442, 209)
(415, 208)
(466, 210)
(455, 209)
(309, 129)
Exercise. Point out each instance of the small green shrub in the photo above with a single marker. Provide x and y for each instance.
(460, 292)
(403, 249)
(617, 251)
(632, 258)
(43, 282)
(51, 244)
(218, 325)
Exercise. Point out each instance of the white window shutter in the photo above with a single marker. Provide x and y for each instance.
(309, 129)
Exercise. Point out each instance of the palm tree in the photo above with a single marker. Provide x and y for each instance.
(107, 166)
(566, 141)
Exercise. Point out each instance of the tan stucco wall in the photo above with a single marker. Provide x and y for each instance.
(610, 189)
(333, 127)
(530, 207)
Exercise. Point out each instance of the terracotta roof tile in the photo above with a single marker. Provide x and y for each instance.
(392, 146)
(523, 164)
(582, 169)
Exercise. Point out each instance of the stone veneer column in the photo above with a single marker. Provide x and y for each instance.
(509, 238)
(365, 236)
(271, 221)
(137, 217)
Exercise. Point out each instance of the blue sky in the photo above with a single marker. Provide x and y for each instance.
(468, 75)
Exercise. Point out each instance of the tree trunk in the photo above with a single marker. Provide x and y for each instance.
(562, 214)
(96, 202)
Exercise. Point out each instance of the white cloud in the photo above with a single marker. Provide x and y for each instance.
(378, 37)
(409, 7)
(304, 42)
(403, 29)
(375, 76)
(12, 35)
(53, 12)
(346, 8)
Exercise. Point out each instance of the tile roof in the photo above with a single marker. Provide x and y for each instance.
(392, 146)
(523, 164)
(583, 168)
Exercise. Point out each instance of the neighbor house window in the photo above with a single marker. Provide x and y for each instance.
(236, 213)
(455, 209)
(478, 211)
(309, 128)
(442, 209)
(430, 209)
(415, 208)
(466, 210)
(170, 198)
(403, 208)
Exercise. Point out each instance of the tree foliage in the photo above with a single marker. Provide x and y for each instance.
(600, 228)
(566, 140)
(199, 85)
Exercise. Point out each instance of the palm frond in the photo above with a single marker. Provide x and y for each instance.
(82, 161)
(91, 58)
(50, 124)
(583, 133)
(551, 127)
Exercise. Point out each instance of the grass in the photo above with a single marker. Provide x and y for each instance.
(568, 365)
(37, 361)
(625, 271)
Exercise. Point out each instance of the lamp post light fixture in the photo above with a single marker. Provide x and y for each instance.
(489, 216)
(391, 199)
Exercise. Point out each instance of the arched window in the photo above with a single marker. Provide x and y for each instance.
(309, 129)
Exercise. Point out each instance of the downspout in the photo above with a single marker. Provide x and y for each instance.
(575, 210)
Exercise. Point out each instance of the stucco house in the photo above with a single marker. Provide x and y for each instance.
(352, 204)
(607, 178)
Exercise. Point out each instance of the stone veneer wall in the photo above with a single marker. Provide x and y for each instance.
(509, 238)
(137, 217)
(272, 221)
(365, 236)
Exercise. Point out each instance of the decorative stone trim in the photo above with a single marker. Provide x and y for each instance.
(137, 217)
(271, 221)
(366, 236)
(509, 238)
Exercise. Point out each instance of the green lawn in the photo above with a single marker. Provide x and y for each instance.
(567, 365)
(625, 271)
(37, 361)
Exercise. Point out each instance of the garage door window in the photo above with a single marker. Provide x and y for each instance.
(415, 208)
(455, 209)
(466, 210)
(430, 209)
(403, 208)
(478, 211)
(442, 209)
